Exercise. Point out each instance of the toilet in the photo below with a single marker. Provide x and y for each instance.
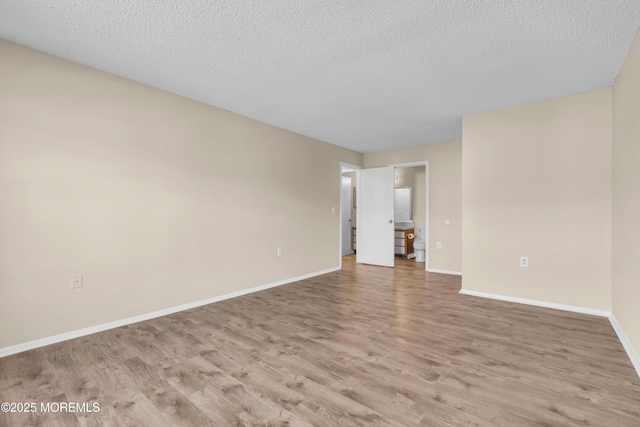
(420, 245)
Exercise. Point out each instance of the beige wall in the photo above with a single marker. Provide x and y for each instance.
(137, 189)
(405, 177)
(445, 196)
(626, 197)
(537, 183)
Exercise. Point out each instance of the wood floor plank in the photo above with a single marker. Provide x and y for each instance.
(359, 347)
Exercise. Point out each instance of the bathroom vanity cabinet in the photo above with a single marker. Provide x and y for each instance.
(403, 242)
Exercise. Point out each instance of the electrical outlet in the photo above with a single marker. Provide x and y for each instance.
(76, 281)
(279, 251)
(524, 261)
(438, 245)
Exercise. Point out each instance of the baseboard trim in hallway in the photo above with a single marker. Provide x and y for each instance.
(30, 345)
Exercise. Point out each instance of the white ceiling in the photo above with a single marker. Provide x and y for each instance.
(366, 75)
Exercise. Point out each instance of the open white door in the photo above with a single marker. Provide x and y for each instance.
(375, 221)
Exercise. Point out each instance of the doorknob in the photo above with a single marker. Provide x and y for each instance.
(390, 221)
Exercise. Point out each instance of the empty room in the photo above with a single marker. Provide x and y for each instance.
(229, 213)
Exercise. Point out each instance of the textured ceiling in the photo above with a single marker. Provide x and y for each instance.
(367, 75)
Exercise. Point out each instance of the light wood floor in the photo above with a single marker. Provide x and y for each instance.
(361, 347)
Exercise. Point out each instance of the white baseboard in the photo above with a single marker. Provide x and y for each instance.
(453, 273)
(633, 356)
(18, 348)
(573, 308)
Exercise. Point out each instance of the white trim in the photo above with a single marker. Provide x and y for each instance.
(453, 273)
(349, 166)
(18, 348)
(633, 356)
(427, 221)
(573, 308)
(410, 164)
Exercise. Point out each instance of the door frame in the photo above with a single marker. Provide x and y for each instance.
(357, 168)
(427, 233)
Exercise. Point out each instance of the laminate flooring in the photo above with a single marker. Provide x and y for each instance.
(365, 346)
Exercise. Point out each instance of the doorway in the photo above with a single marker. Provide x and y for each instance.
(410, 214)
(346, 206)
(375, 232)
(349, 181)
